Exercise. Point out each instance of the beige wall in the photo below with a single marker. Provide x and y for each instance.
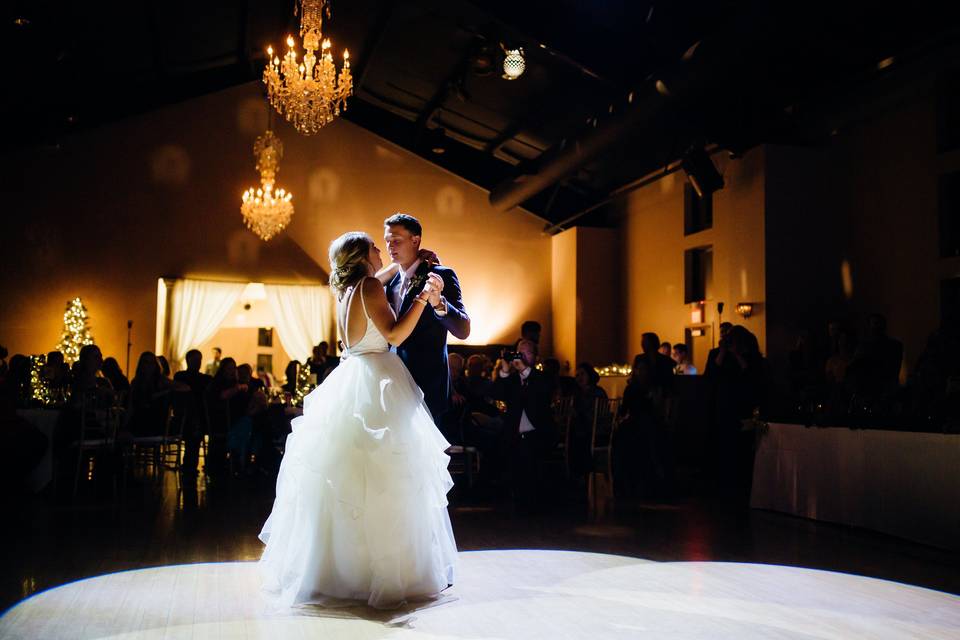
(158, 195)
(654, 254)
(565, 303)
(240, 343)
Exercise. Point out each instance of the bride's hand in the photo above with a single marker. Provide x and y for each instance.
(429, 257)
(434, 285)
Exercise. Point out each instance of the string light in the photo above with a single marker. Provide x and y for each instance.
(39, 389)
(304, 386)
(76, 331)
(615, 370)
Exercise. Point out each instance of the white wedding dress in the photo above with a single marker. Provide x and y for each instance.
(361, 505)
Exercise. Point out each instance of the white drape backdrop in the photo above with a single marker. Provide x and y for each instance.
(303, 314)
(197, 309)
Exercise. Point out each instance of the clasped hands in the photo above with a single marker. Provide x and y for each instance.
(432, 289)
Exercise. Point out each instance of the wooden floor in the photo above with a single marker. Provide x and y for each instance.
(165, 526)
(504, 594)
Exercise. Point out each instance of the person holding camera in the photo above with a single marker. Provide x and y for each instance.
(529, 429)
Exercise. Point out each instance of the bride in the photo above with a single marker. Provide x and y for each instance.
(361, 506)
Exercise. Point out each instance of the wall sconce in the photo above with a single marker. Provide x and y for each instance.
(745, 309)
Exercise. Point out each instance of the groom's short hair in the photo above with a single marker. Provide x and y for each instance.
(408, 222)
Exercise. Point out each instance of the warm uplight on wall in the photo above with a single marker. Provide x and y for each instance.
(696, 312)
(745, 309)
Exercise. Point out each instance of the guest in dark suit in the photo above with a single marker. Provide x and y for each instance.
(193, 426)
(425, 351)
(529, 429)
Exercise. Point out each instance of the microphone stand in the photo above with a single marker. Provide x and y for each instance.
(129, 344)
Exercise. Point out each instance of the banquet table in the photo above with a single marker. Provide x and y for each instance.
(45, 420)
(902, 483)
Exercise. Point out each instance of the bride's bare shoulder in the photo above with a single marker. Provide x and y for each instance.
(372, 288)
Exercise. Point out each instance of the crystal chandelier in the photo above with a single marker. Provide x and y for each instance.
(309, 94)
(265, 211)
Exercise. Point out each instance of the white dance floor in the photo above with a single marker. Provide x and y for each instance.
(503, 594)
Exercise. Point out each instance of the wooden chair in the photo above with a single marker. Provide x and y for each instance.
(600, 482)
(562, 415)
(464, 458)
(98, 432)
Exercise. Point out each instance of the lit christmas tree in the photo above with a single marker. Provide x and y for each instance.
(76, 331)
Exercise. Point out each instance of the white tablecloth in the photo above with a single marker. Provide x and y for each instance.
(45, 420)
(904, 484)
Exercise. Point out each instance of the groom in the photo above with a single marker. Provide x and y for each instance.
(425, 351)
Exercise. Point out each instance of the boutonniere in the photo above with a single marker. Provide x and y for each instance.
(419, 279)
(417, 283)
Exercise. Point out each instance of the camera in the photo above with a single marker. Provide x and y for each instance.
(510, 356)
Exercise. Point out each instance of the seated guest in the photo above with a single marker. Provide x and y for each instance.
(16, 383)
(529, 429)
(193, 424)
(226, 401)
(87, 380)
(89, 391)
(581, 425)
(245, 376)
(290, 377)
(483, 424)
(55, 371)
(477, 387)
(317, 362)
(149, 403)
(681, 355)
(331, 360)
(457, 365)
(565, 386)
(111, 371)
(164, 366)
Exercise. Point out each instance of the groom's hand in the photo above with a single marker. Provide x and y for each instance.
(434, 286)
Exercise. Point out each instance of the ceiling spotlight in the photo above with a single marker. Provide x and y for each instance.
(883, 64)
(513, 63)
(21, 22)
(437, 140)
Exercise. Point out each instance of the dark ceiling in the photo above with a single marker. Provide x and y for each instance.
(613, 90)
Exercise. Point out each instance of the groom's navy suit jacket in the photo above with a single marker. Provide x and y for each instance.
(425, 350)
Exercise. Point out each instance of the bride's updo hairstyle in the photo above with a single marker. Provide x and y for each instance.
(348, 260)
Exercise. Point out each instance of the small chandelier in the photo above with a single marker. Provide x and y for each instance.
(266, 212)
(311, 93)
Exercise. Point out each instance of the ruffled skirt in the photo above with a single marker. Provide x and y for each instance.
(361, 505)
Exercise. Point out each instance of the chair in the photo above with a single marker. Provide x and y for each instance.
(164, 451)
(605, 422)
(464, 458)
(562, 416)
(98, 431)
(216, 434)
